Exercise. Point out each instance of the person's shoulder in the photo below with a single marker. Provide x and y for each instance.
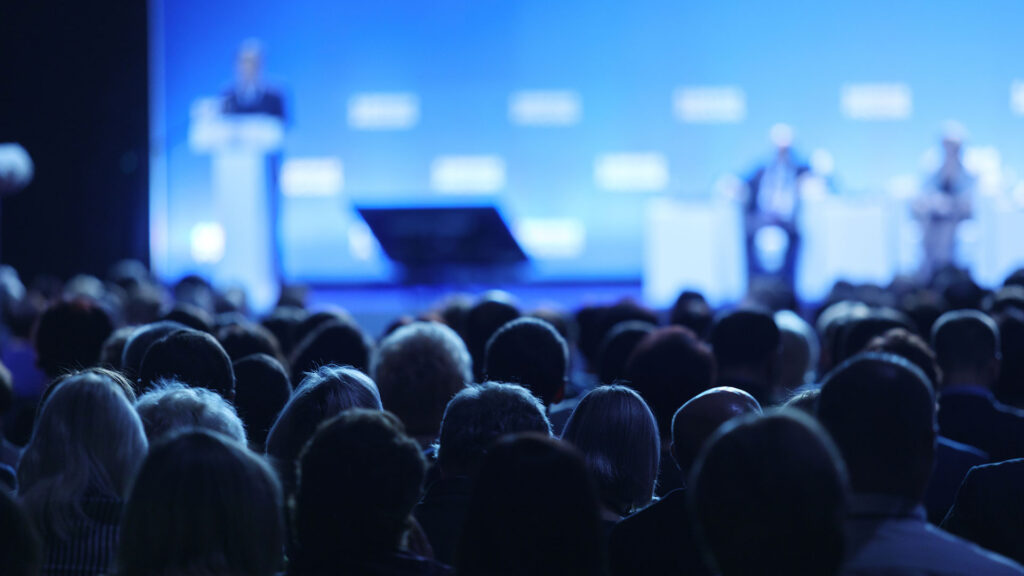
(671, 508)
(963, 450)
(1007, 469)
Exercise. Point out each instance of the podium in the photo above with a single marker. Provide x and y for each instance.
(241, 148)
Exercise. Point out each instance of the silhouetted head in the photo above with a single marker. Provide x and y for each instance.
(138, 344)
(171, 407)
(858, 332)
(321, 395)
(70, 335)
(911, 347)
(542, 530)
(262, 389)
(332, 342)
(692, 311)
(113, 347)
(191, 315)
(481, 322)
(617, 434)
(247, 338)
(768, 495)
(618, 346)
(479, 415)
(880, 410)
(284, 323)
(359, 478)
(667, 368)
(967, 347)
(190, 357)
(595, 322)
(531, 353)
(419, 368)
(87, 440)
(202, 504)
(798, 357)
(697, 420)
(746, 347)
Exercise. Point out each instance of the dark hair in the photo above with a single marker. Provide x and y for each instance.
(768, 496)
(322, 395)
(191, 315)
(692, 311)
(262, 389)
(668, 367)
(283, 323)
(479, 415)
(744, 338)
(111, 376)
(618, 436)
(595, 323)
(359, 478)
(113, 347)
(529, 352)
(965, 340)
(1010, 387)
(70, 334)
(481, 322)
(618, 346)
(913, 348)
(139, 342)
(21, 552)
(697, 420)
(332, 342)
(856, 334)
(519, 522)
(202, 504)
(246, 339)
(191, 357)
(419, 368)
(880, 410)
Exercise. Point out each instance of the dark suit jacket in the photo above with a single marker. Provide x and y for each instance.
(657, 540)
(442, 512)
(989, 509)
(953, 461)
(752, 205)
(269, 101)
(974, 417)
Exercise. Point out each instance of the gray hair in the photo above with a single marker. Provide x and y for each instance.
(172, 406)
(87, 438)
(479, 415)
(418, 369)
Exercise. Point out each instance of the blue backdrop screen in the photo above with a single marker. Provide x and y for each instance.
(568, 115)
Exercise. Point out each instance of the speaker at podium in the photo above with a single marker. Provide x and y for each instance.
(244, 150)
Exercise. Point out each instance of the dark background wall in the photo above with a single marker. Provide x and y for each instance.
(73, 91)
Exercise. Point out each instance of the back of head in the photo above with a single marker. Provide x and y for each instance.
(911, 347)
(481, 322)
(321, 396)
(113, 347)
(87, 438)
(966, 341)
(618, 436)
(880, 410)
(692, 311)
(529, 352)
(332, 342)
(667, 368)
(20, 549)
(1010, 388)
(800, 350)
(172, 407)
(768, 496)
(520, 523)
(70, 334)
(202, 504)
(191, 357)
(697, 420)
(419, 368)
(246, 339)
(596, 322)
(747, 340)
(140, 340)
(479, 415)
(262, 389)
(857, 333)
(618, 346)
(283, 323)
(359, 478)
